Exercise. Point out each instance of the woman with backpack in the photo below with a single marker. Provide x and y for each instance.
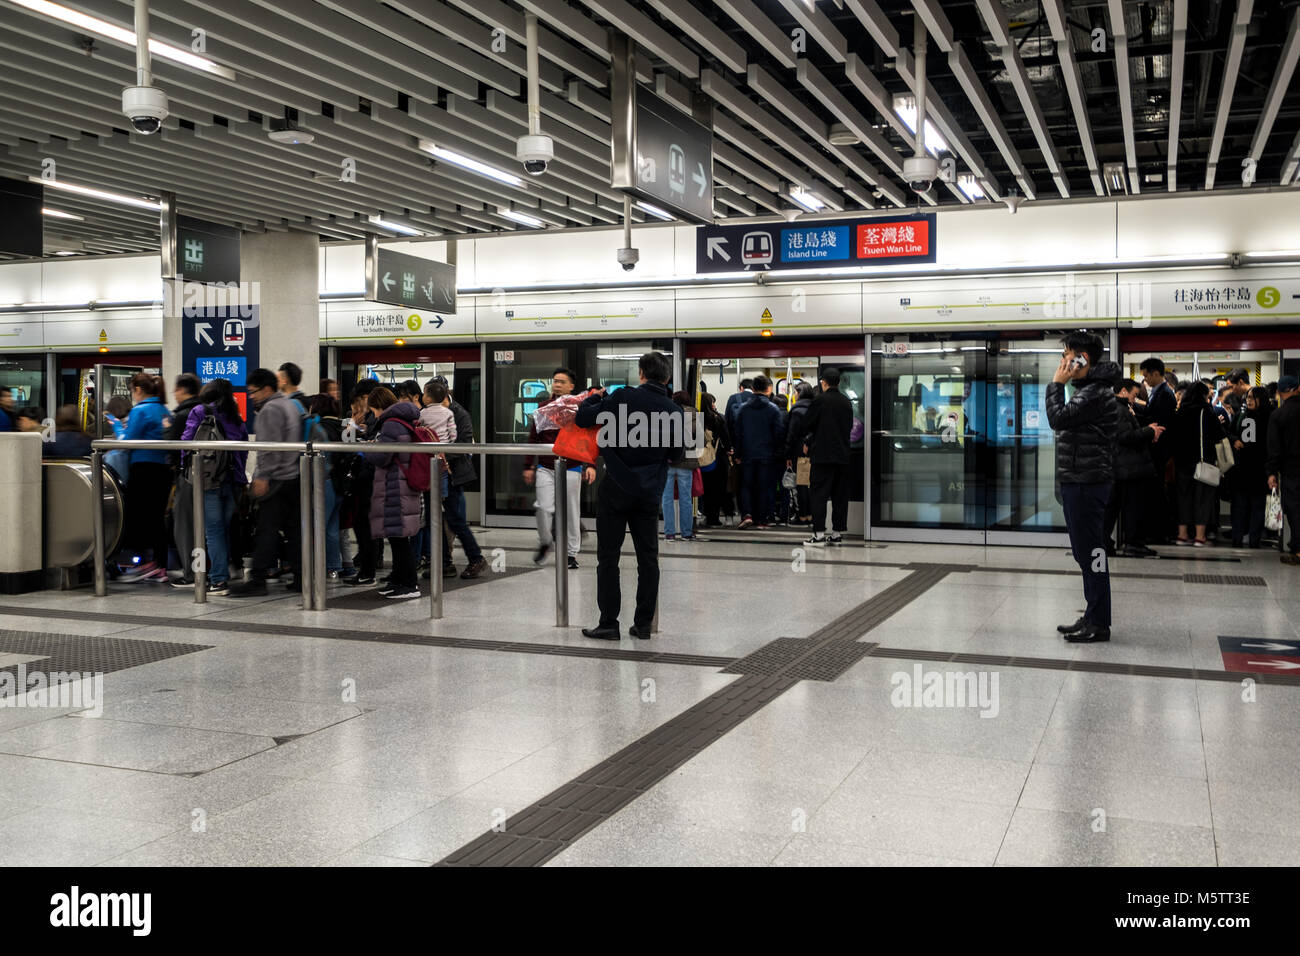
(225, 474)
(149, 482)
(323, 424)
(394, 504)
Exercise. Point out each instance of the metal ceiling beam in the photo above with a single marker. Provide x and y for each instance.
(995, 19)
(561, 52)
(1124, 87)
(1054, 10)
(648, 34)
(1286, 65)
(1292, 161)
(869, 85)
(1231, 66)
(1176, 62)
(703, 31)
(756, 23)
(819, 27)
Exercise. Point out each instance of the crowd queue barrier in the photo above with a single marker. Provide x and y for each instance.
(312, 477)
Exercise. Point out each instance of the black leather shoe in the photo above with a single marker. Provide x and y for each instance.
(1091, 634)
(642, 631)
(1078, 625)
(601, 633)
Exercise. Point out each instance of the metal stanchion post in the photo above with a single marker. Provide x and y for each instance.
(318, 576)
(435, 542)
(97, 521)
(307, 550)
(561, 543)
(200, 537)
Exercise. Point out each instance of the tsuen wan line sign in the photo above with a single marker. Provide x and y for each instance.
(823, 245)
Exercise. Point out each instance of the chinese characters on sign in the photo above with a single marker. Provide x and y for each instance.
(894, 239)
(728, 248)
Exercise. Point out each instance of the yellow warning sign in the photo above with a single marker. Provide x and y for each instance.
(767, 315)
(103, 335)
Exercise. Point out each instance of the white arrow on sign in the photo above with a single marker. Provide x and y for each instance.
(1280, 665)
(389, 282)
(718, 245)
(699, 178)
(201, 333)
(1274, 646)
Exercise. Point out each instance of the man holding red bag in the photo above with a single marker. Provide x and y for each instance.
(539, 471)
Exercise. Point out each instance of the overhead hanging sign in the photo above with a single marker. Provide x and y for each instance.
(216, 343)
(206, 251)
(21, 223)
(822, 245)
(396, 278)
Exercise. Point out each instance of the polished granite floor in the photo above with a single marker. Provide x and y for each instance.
(288, 737)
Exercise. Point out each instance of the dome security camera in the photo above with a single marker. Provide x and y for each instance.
(920, 172)
(535, 152)
(145, 107)
(628, 258)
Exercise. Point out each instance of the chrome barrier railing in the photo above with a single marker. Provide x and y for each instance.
(311, 482)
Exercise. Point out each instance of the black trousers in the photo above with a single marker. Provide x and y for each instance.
(830, 482)
(1290, 486)
(403, 576)
(147, 489)
(1128, 501)
(1248, 506)
(278, 512)
(368, 547)
(1085, 518)
(617, 513)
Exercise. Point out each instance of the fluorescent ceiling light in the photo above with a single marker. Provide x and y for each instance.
(520, 218)
(969, 187)
(806, 199)
(654, 211)
(122, 35)
(905, 107)
(1115, 179)
(398, 227)
(99, 193)
(60, 214)
(473, 165)
(1294, 253)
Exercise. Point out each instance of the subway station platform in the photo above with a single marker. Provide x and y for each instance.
(783, 715)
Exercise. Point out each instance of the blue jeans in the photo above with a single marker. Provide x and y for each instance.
(218, 511)
(680, 478)
(333, 504)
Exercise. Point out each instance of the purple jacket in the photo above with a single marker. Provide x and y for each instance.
(394, 505)
(235, 431)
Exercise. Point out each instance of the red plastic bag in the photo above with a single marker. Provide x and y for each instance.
(576, 444)
(697, 483)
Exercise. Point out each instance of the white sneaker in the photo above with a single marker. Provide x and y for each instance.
(834, 538)
(816, 541)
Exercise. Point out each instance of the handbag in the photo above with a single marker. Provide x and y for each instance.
(1223, 456)
(803, 471)
(697, 484)
(1205, 473)
(788, 480)
(1273, 511)
(709, 453)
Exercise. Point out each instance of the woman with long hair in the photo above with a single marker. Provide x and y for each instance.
(717, 442)
(1196, 432)
(149, 481)
(222, 488)
(394, 504)
(1250, 482)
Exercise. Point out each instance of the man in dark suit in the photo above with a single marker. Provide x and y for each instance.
(641, 430)
(735, 401)
(830, 421)
(1161, 407)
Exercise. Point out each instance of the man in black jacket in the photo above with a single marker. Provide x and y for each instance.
(186, 392)
(1085, 427)
(641, 430)
(1162, 405)
(1134, 474)
(1283, 464)
(759, 440)
(830, 420)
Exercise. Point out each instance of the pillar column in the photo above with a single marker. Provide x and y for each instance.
(285, 267)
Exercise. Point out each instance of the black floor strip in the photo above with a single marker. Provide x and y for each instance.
(548, 827)
(379, 637)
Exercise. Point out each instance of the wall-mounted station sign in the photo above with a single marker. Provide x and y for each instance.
(820, 245)
(206, 251)
(396, 278)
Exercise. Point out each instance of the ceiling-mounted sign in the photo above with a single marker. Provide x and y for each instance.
(217, 343)
(660, 154)
(399, 279)
(821, 245)
(206, 251)
(21, 224)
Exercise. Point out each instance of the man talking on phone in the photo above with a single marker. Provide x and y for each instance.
(1085, 427)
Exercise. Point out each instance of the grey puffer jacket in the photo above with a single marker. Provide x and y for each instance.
(394, 505)
(1085, 426)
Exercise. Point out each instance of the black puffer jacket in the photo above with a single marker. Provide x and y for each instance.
(1085, 426)
(1132, 445)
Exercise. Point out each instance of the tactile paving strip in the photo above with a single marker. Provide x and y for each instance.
(1242, 579)
(79, 652)
(793, 656)
(539, 832)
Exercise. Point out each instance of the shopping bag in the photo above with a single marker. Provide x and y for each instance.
(1273, 511)
(577, 444)
(788, 479)
(803, 472)
(697, 484)
(1223, 456)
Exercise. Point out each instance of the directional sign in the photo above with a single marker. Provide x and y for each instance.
(221, 343)
(411, 281)
(667, 158)
(21, 223)
(821, 245)
(206, 251)
(1261, 655)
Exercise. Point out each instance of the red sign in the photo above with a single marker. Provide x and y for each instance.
(1261, 663)
(893, 240)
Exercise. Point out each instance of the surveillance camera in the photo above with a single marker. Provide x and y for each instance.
(1013, 202)
(535, 152)
(920, 172)
(628, 258)
(145, 107)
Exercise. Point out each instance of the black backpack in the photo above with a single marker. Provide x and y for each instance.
(216, 465)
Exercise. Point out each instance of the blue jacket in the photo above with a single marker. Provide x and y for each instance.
(147, 420)
(760, 430)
